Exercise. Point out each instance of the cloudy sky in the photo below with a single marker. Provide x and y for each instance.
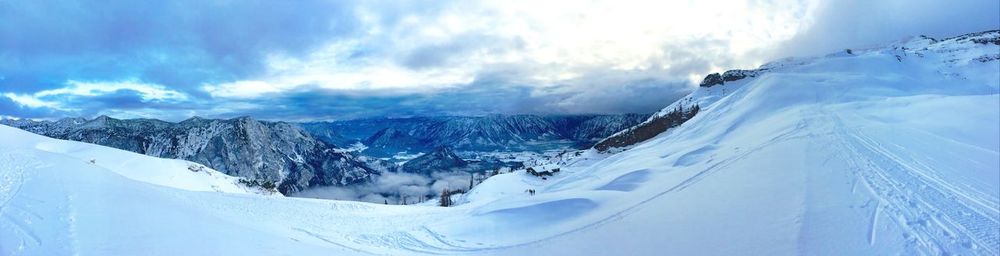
(324, 60)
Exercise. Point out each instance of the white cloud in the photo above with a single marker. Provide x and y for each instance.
(31, 101)
(146, 91)
(241, 89)
(73, 88)
(550, 43)
(327, 69)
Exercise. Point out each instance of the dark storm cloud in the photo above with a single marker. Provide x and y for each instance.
(479, 98)
(176, 43)
(11, 108)
(310, 104)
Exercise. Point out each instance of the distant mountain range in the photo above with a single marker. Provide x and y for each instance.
(295, 158)
(444, 159)
(388, 136)
(267, 151)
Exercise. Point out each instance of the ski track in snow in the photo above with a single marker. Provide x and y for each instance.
(12, 179)
(939, 218)
(329, 241)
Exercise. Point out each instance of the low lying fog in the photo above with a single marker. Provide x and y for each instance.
(392, 188)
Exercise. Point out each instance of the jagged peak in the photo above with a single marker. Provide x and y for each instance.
(72, 120)
(194, 119)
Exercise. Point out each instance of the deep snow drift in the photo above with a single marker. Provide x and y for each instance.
(881, 151)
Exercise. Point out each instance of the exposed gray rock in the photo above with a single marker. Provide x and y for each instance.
(737, 74)
(985, 37)
(710, 80)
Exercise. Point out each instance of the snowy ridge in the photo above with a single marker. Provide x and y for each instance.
(159, 171)
(957, 56)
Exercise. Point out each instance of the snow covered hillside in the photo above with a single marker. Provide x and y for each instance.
(884, 151)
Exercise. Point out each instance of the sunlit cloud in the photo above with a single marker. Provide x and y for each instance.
(32, 101)
(54, 98)
(145, 90)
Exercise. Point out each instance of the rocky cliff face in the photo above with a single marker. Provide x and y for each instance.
(266, 151)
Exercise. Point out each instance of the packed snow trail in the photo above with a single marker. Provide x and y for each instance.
(867, 153)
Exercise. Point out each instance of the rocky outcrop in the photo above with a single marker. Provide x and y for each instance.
(737, 74)
(985, 37)
(730, 76)
(710, 80)
(648, 129)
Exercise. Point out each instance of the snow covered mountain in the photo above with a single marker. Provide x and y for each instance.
(885, 151)
(275, 152)
(441, 159)
(482, 133)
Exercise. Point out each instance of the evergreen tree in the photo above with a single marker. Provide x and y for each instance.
(471, 177)
(445, 198)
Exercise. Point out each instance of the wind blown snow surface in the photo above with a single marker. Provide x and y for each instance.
(880, 151)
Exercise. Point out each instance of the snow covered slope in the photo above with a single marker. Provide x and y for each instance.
(54, 202)
(159, 171)
(878, 152)
(883, 151)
